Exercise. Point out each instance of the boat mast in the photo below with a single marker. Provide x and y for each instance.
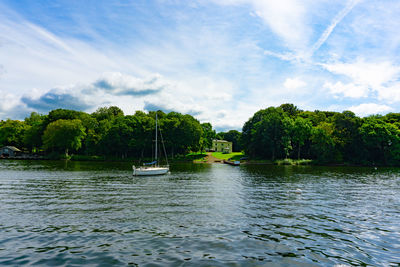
(156, 141)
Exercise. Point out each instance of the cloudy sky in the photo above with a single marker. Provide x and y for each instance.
(218, 60)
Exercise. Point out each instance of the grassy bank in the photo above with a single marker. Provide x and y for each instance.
(205, 158)
(294, 162)
(232, 156)
(197, 157)
(194, 156)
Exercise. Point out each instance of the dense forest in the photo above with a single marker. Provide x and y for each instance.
(106, 132)
(324, 136)
(273, 133)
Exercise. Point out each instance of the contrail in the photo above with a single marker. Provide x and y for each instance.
(49, 36)
(336, 20)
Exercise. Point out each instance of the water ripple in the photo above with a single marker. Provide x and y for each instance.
(55, 213)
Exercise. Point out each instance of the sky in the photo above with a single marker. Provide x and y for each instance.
(218, 60)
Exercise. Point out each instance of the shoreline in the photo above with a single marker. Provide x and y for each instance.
(214, 161)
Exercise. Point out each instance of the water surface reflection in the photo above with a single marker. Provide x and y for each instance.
(55, 213)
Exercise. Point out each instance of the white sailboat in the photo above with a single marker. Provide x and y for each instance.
(152, 168)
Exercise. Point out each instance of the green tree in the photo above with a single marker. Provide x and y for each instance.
(107, 113)
(315, 117)
(262, 134)
(234, 137)
(118, 139)
(392, 118)
(207, 136)
(143, 134)
(171, 130)
(64, 114)
(97, 127)
(191, 133)
(182, 133)
(382, 141)
(88, 122)
(287, 135)
(12, 132)
(347, 137)
(64, 135)
(323, 146)
(290, 109)
(33, 135)
(301, 132)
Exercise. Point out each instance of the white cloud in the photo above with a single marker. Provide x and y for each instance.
(375, 79)
(294, 83)
(2, 70)
(371, 74)
(65, 70)
(390, 93)
(214, 65)
(347, 90)
(47, 60)
(293, 21)
(286, 18)
(201, 96)
(7, 101)
(369, 109)
(374, 29)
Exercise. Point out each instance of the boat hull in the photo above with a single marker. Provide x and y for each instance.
(150, 171)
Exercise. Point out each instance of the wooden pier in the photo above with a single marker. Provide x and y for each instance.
(233, 163)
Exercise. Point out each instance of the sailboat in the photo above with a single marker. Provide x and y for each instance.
(152, 168)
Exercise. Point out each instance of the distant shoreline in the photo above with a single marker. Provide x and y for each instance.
(217, 161)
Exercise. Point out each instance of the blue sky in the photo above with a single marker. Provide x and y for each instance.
(219, 60)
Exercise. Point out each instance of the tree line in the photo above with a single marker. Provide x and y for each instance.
(272, 133)
(324, 136)
(106, 132)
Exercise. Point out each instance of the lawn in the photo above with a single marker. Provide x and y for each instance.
(198, 156)
(233, 156)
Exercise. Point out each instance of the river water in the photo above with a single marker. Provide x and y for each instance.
(97, 214)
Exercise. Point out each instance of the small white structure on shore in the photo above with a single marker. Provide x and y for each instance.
(9, 151)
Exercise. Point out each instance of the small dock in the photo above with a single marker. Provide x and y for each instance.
(233, 163)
